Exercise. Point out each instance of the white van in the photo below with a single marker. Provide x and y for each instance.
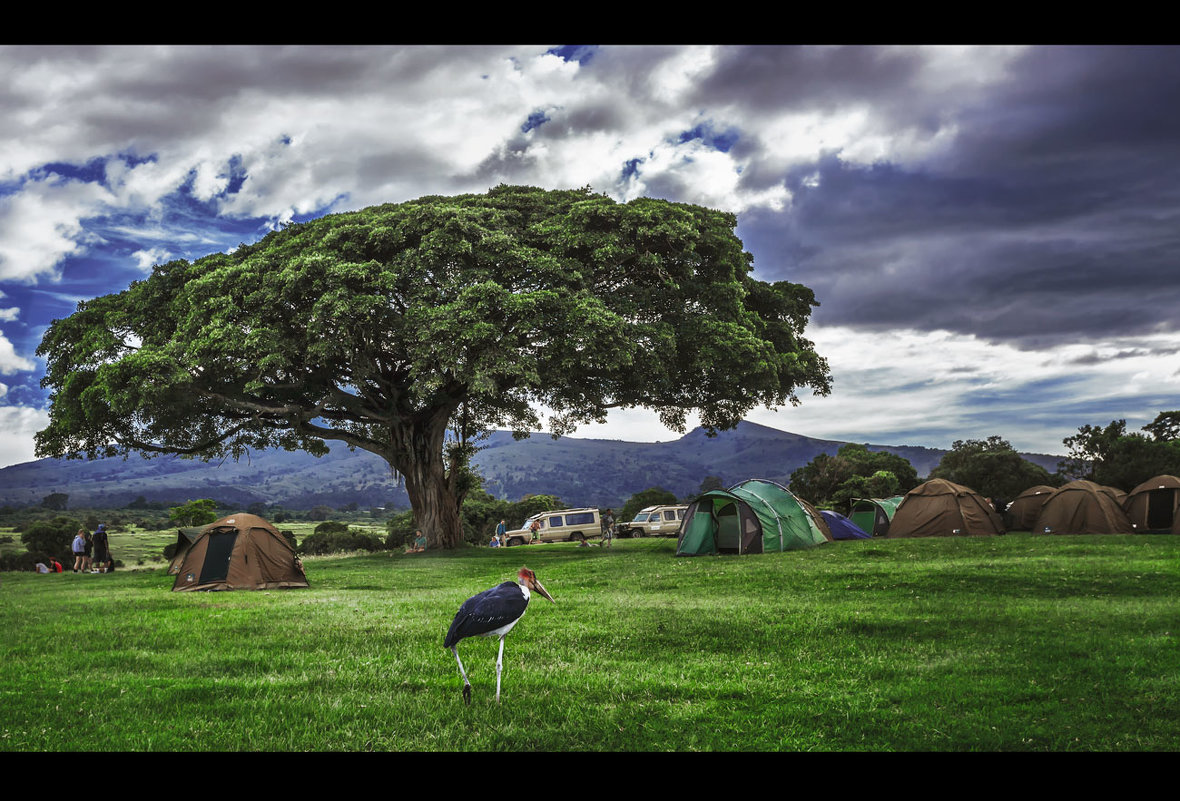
(561, 525)
(654, 521)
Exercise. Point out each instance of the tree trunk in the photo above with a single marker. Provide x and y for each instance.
(418, 456)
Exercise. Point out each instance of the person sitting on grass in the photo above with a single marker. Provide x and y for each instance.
(419, 544)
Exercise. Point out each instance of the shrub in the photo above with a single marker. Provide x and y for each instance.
(52, 537)
(319, 543)
(24, 561)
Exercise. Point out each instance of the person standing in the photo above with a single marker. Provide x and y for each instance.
(608, 529)
(78, 547)
(501, 531)
(88, 561)
(102, 547)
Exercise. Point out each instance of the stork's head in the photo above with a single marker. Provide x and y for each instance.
(529, 579)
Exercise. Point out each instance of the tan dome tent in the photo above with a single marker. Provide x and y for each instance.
(185, 537)
(1022, 512)
(1082, 507)
(1155, 505)
(941, 508)
(240, 552)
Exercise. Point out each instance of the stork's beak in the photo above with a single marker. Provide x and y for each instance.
(537, 586)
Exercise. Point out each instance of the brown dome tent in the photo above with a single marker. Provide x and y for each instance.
(239, 552)
(1155, 505)
(941, 508)
(1082, 507)
(1022, 512)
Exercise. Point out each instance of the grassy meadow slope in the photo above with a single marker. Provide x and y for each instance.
(1010, 643)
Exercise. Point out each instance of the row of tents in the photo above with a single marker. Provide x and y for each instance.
(244, 551)
(757, 515)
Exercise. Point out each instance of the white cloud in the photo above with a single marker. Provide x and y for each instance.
(924, 388)
(19, 424)
(10, 362)
(42, 224)
(146, 259)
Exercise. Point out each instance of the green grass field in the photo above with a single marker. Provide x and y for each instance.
(1011, 643)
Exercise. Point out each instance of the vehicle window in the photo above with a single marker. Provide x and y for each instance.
(579, 519)
(670, 514)
(680, 514)
(640, 518)
(555, 521)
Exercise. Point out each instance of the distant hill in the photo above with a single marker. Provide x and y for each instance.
(582, 472)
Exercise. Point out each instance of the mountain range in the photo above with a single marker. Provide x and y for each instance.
(581, 472)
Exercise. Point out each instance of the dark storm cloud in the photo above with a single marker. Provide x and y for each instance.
(774, 78)
(1052, 218)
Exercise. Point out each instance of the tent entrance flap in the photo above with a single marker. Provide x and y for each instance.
(729, 531)
(217, 555)
(1160, 506)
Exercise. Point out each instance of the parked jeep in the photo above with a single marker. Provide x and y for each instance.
(561, 525)
(654, 521)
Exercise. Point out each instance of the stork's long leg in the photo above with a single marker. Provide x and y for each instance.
(463, 673)
(499, 667)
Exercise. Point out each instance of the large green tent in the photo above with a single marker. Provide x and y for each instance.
(755, 516)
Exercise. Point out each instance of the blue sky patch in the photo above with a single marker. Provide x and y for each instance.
(718, 140)
(579, 53)
(535, 120)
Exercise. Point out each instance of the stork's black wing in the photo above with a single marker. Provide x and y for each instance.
(486, 612)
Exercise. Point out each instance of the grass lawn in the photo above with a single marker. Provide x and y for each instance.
(1020, 642)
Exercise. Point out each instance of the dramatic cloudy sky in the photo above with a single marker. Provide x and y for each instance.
(992, 232)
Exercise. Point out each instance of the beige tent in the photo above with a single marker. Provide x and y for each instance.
(185, 537)
(1082, 507)
(1022, 512)
(239, 552)
(941, 508)
(1155, 505)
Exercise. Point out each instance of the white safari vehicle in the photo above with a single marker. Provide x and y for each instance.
(654, 521)
(561, 525)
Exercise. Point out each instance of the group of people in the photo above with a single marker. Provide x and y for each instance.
(92, 552)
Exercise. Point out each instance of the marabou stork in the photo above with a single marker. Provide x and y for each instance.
(492, 613)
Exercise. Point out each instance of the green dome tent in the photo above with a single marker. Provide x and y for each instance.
(755, 516)
(873, 515)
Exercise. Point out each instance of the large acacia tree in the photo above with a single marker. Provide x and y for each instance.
(388, 327)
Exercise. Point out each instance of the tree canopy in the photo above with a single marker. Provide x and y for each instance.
(407, 329)
(854, 472)
(991, 467)
(1111, 456)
